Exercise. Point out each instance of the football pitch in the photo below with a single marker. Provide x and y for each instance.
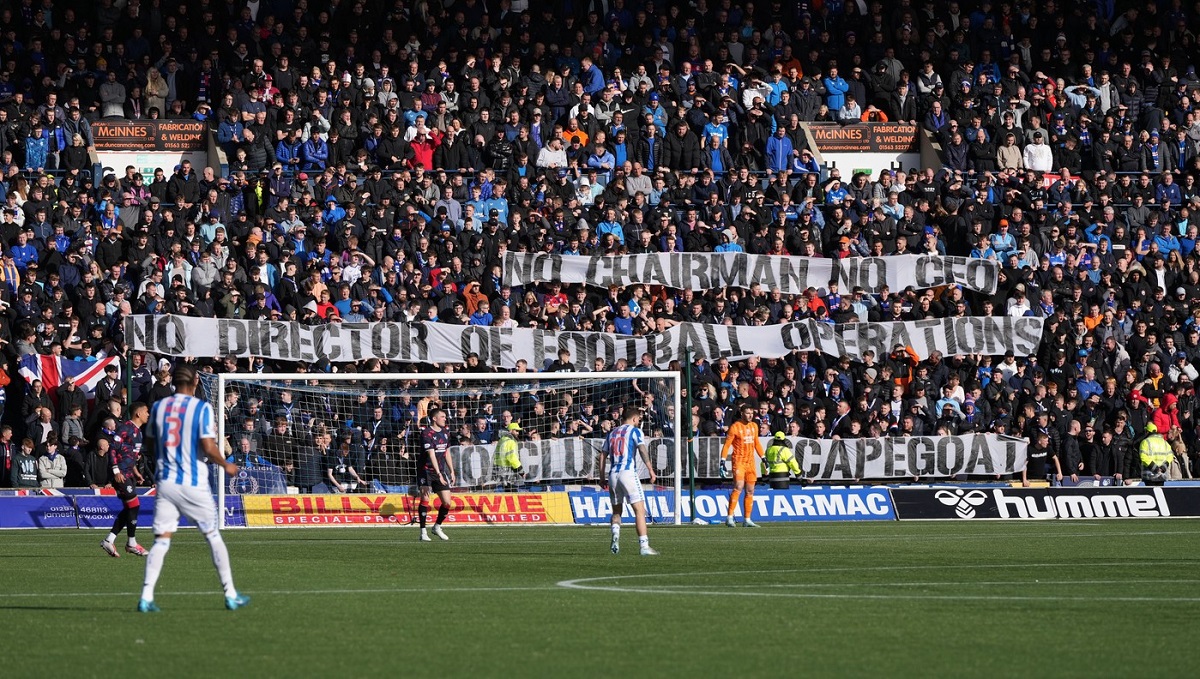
(1065, 598)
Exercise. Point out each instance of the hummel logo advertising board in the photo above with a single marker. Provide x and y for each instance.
(965, 503)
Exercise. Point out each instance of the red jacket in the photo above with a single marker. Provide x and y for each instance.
(1166, 416)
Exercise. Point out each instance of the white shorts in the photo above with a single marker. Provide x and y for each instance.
(625, 486)
(194, 502)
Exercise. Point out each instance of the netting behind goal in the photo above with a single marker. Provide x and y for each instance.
(320, 433)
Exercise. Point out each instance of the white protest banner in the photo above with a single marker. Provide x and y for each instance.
(889, 457)
(700, 271)
(819, 460)
(502, 347)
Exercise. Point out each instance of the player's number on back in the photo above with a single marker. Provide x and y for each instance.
(174, 429)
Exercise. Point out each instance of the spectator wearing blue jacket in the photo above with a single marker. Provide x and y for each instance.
(729, 242)
(229, 134)
(333, 213)
(656, 111)
(314, 153)
(603, 161)
(610, 225)
(1166, 240)
(778, 86)
(836, 193)
(288, 152)
(1167, 192)
(779, 151)
(23, 252)
(37, 149)
(591, 76)
(482, 315)
(805, 164)
(836, 88)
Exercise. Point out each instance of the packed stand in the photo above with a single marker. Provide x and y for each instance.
(382, 159)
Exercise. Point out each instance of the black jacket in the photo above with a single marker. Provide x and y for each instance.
(183, 189)
(642, 152)
(682, 153)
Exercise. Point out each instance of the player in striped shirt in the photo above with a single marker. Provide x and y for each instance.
(185, 441)
(624, 446)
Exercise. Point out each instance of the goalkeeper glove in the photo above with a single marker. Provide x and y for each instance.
(725, 468)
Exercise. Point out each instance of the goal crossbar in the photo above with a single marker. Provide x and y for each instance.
(224, 380)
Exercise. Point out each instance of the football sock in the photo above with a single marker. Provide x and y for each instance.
(643, 540)
(132, 525)
(423, 513)
(748, 505)
(442, 512)
(220, 557)
(733, 500)
(616, 530)
(154, 563)
(118, 525)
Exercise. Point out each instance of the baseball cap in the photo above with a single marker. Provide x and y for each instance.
(779, 436)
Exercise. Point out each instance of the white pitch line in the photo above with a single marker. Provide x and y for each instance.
(1006, 583)
(846, 569)
(593, 584)
(727, 537)
(923, 597)
(290, 592)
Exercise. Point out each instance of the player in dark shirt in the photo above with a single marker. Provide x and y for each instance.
(435, 473)
(124, 454)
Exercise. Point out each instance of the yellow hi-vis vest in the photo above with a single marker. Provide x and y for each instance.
(1155, 452)
(779, 458)
(506, 455)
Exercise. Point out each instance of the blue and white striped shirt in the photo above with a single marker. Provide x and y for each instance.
(622, 446)
(178, 424)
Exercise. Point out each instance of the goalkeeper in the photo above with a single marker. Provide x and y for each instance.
(779, 463)
(507, 458)
(743, 442)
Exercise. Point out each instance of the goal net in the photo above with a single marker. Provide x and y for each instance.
(343, 448)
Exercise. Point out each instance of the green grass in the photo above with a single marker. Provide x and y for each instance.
(887, 599)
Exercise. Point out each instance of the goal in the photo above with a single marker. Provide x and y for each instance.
(342, 448)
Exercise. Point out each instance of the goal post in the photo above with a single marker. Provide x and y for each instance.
(313, 435)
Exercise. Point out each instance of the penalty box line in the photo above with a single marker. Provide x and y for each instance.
(290, 592)
(596, 584)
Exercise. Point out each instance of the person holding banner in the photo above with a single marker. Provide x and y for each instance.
(744, 444)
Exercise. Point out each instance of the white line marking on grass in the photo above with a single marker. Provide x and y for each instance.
(1005, 583)
(595, 585)
(715, 536)
(290, 592)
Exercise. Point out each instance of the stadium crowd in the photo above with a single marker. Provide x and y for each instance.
(382, 157)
